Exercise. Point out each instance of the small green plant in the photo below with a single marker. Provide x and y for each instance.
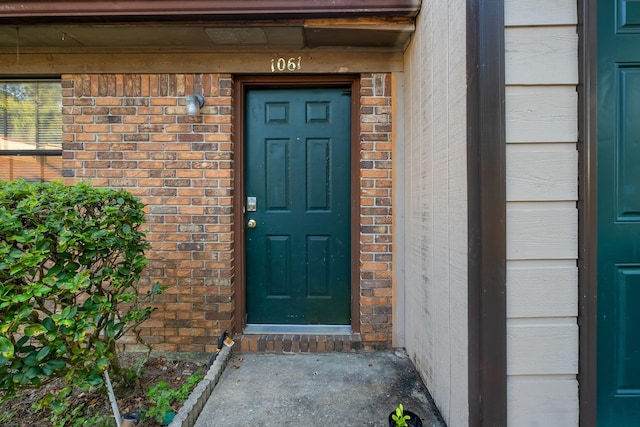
(399, 417)
(65, 414)
(163, 398)
(65, 411)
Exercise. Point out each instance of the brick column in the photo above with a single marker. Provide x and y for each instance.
(375, 215)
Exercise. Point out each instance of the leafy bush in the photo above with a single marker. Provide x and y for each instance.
(70, 263)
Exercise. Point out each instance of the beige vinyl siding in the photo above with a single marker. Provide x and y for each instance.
(522, 13)
(541, 73)
(435, 206)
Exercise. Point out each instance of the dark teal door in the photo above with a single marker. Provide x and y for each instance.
(297, 163)
(618, 213)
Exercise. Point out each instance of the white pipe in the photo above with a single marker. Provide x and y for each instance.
(112, 398)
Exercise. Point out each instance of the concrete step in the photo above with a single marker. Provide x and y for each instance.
(296, 343)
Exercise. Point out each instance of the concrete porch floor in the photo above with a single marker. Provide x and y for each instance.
(317, 389)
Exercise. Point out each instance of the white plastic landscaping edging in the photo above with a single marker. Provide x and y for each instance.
(190, 411)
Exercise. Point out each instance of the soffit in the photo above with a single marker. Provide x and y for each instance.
(295, 34)
(247, 24)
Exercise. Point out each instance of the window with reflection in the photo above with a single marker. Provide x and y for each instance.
(30, 130)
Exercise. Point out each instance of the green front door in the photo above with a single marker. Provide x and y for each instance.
(298, 180)
(618, 213)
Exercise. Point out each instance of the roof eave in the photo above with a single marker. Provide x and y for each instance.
(46, 11)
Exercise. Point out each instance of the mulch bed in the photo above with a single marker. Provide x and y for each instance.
(17, 412)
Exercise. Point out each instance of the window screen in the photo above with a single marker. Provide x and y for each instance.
(30, 130)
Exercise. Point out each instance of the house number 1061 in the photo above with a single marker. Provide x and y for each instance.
(281, 64)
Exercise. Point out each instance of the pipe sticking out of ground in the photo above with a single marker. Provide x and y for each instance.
(112, 398)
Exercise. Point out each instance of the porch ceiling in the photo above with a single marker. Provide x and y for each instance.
(294, 34)
(202, 24)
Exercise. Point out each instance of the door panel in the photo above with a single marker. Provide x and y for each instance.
(628, 351)
(628, 145)
(618, 213)
(297, 163)
(628, 16)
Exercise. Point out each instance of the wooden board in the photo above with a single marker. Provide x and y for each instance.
(317, 61)
(541, 114)
(545, 347)
(542, 401)
(542, 231)
(540, 12)
(542, 172)
(541, 55)
(542, 289)
(435, 188)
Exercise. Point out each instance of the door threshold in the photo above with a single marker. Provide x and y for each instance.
(254, 329)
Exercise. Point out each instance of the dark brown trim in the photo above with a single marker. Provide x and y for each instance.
(587, 211)
(241, 85)
(238, 207)
(355, 205)
(19, 153)
(486, 145)
(31, 10)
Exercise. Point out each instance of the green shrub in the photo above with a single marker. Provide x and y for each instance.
(70, 263)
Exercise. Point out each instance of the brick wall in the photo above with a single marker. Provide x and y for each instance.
(131, 131)
(375, 214)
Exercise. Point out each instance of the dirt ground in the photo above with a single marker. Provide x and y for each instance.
(17, 412)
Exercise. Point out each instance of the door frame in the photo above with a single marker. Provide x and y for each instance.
(587, 211)
(241, 85)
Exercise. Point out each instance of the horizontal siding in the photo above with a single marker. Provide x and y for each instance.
(540, 12)
(542, 172)
(537, 114)
(541, 73)
(542, 402)
(542, 289)
(542, 231)
(541, 55)
(543, 347)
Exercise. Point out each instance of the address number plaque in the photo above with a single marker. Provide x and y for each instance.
(281, 64)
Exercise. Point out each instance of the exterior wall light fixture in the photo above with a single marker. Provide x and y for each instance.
(194, 103)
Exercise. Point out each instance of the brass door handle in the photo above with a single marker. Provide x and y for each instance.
(252, 223)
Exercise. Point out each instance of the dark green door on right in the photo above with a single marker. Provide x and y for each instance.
(298, 188)
(618, 213)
